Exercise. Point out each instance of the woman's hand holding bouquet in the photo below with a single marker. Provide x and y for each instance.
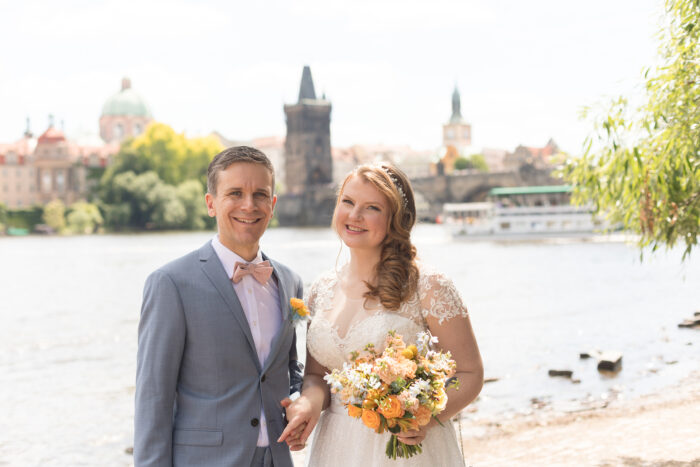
(399, 390)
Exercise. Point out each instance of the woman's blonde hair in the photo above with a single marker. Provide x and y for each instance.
(396, 272)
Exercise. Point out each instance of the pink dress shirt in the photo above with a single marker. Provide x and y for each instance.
(261, 305)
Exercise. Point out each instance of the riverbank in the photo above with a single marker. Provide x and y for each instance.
(660, 429)
(655, 430)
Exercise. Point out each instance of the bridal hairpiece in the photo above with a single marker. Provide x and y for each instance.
(397, 184)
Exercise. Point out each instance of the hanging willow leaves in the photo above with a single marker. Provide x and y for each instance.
(641, 165)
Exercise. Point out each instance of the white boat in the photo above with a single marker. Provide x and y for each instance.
(479, 219)
(494, 219)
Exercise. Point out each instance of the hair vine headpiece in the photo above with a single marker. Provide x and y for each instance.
(397, 184)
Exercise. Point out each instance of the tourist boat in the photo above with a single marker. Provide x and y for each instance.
(527, 212)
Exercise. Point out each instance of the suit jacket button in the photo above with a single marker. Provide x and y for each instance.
(254, 422)
(262, 379)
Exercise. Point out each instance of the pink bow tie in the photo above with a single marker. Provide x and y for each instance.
(260, 271)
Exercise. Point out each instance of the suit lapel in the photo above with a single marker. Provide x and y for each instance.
(214, 270)
(282, 282)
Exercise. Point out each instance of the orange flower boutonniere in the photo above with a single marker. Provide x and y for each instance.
(299, 310)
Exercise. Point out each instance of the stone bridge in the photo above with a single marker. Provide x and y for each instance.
(473, 186)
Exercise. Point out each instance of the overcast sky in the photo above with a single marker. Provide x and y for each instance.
(524, 69)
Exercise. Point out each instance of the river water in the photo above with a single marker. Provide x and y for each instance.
(70, 310)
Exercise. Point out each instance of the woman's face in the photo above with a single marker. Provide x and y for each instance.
(362, 215)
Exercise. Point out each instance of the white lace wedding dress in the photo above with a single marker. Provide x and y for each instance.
(340, 325)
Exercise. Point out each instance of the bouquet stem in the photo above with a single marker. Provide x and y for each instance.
(395, 448)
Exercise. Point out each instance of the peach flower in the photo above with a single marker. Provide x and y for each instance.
(371, 419)
(391, 407)
(354, 411)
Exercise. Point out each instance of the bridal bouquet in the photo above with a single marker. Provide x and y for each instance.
(397, 390)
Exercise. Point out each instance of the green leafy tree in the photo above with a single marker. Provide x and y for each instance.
(462, 163)
(172, 156)
(475, 161)
(198, 154)
(642, 164)
(191, 195)
(54, 215)
(125, 199)
(166, 210)
(3, 217)
(479, 162)
(83, 218)
(145, 201)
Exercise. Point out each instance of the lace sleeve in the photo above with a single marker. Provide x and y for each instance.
(316, 295)
(439, 297)
(310, 298)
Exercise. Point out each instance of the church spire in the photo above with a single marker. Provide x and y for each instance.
(456, 107)
(306, 90)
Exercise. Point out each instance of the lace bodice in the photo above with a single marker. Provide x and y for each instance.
(436, 297)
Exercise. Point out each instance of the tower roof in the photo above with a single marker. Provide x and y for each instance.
(306, 90)
(456, 108)
(126, 102)
(51, 135)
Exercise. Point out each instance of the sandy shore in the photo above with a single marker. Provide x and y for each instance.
(654, 430)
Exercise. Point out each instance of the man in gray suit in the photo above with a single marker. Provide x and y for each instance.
(217, 347)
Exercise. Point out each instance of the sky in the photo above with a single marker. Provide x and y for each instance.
(524, 69)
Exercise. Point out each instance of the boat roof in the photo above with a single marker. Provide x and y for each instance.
(530, 190)
(458, 207)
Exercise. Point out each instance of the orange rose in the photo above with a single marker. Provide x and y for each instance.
(371, 419)
(298, 306)
(423, 415)
(354, 411)
(391, 407)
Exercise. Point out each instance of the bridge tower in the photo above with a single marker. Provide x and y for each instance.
(456, 133)
(307, 148)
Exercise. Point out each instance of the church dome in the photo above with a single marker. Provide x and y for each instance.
(126, 103)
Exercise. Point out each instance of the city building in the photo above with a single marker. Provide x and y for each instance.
(38, 170)
(307, 147)
(124, 115)
(310, 193)
(539, 158)
(457, 133)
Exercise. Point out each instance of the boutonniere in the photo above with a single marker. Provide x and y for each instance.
(299, 310)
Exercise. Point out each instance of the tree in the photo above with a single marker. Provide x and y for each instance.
(462, 163)
(479, 162)
(475, 161)
(54, 215)
(3, 217)
(641, 166)
(191, 195)
(172, 156)
(145, 201)
(198, 154)
(83, 218)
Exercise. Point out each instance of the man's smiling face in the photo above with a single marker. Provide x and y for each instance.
(243, 206)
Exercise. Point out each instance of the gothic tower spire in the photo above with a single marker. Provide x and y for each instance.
(456, 107)
(306, 90)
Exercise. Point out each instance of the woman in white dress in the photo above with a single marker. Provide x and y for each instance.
(382, 288)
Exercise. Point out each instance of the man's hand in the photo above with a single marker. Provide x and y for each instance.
(302, 419)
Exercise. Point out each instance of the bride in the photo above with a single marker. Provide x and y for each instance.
(382, 288)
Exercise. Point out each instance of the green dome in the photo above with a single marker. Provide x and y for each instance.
(126, 102)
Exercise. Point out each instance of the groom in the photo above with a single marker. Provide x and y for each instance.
(217, 348)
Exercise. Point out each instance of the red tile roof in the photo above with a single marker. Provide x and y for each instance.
(52, 135)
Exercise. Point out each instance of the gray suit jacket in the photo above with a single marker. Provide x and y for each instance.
(199, 385)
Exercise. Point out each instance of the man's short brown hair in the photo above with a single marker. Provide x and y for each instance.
(229, 156)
